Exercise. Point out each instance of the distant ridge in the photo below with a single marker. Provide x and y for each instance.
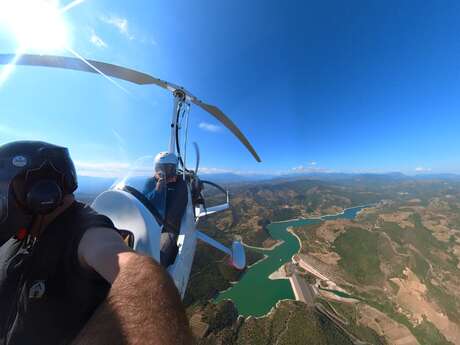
(441, 176)
(327, 176)
(95, 185)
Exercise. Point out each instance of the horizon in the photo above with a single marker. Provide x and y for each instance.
(293, 174)
(317, 88)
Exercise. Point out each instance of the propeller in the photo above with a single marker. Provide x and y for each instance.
(197, 152)
(126, 74)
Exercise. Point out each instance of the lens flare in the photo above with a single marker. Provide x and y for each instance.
(35, 24)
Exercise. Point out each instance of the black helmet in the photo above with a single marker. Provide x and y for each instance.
(34, 176)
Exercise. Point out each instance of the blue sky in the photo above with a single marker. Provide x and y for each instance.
(316, 86)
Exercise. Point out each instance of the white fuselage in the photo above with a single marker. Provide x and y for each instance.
(128, 213)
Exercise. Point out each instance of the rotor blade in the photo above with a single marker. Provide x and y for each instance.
(219, 115)
(76, 64)
(197, 152)
(126, 74)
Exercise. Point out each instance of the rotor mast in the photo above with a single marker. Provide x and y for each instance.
(179, 98)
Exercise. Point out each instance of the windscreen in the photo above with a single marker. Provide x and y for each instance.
(146, 184)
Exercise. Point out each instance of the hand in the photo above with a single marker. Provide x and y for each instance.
(160, 175)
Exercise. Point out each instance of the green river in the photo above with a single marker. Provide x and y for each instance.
(255, 294)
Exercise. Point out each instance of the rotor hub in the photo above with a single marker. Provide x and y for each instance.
(180, 94)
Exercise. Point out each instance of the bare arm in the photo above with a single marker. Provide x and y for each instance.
(100, 249)
(142, 307)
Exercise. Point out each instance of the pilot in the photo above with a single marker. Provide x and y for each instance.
(65, 272)
(168, 193)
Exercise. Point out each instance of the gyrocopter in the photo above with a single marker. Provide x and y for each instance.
(127, 205)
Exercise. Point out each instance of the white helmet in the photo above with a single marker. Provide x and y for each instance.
(166, 158)
(167, 163)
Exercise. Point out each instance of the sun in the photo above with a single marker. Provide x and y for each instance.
(35, 24)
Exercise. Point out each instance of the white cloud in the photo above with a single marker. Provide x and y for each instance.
(205, 170)
(97, 41)
(121, 24)
(106, 169)
(422, 169)
(209, 127)
(143, 166)
(313, 163)
(312, 168)
(213, 170)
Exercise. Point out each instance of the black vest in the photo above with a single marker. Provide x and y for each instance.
(46, 297)
(176, 203)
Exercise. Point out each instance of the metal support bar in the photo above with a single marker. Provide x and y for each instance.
(172, 139)
(179, 96)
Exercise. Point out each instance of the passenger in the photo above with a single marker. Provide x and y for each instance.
(161, 190)
(65, 273)
(156, 188)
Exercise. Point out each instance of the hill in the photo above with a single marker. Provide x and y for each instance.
(399, 259)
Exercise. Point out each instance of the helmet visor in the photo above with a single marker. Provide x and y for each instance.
(10, 168)
(3, 207)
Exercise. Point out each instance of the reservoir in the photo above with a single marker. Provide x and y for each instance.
(255, 294)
